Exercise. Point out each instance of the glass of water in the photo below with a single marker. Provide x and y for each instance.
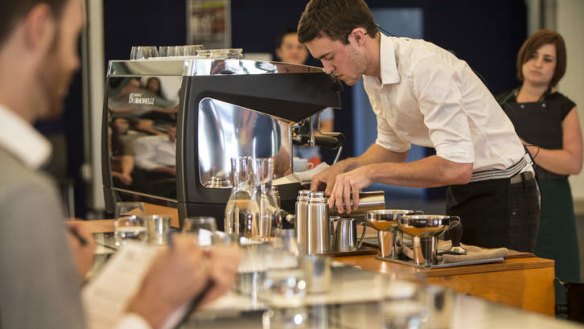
(203, 228)
(191, 50)
(287, 318)
(129, 223)
(129, 228)
(284, 288)
(143, 52)
(404, 306)
(127, 208)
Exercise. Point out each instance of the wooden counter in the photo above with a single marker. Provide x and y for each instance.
(107, 225)
(523, 281)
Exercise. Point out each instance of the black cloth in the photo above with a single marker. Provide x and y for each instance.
(496, 213)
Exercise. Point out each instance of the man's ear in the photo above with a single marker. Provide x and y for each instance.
(358, 35)
(40, 27)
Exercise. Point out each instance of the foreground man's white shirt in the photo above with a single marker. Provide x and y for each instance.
(21, 139)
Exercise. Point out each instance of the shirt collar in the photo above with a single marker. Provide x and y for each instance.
(387, 59)
(20, 138)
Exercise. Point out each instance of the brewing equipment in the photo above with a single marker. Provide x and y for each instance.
(172, 144)
(424, 230)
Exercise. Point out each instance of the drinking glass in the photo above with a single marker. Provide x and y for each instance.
(191, 50)
(127, 208)
(287, 318)
(203, 229)
(286, 241)
(206, 53)
(282, 250)
(263, 171)
(157, 227)
(143, 52)
(318, 272)
(242, 210)
(284, 287)
(129, 228)
(166, 51)
(179, 50)
(404, 306)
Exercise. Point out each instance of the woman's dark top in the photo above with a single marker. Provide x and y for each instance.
(539, 123)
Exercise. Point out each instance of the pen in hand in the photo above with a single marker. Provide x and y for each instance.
(82, 241)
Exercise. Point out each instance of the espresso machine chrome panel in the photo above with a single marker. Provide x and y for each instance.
(193, 66)
(140, 122)
(209, 110)
(227, 131)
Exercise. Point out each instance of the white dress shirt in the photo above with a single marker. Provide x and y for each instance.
(428, 97)
(151, 152)
(22, 140)
(29, 146)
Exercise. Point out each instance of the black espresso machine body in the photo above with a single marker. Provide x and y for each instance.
(207, 111)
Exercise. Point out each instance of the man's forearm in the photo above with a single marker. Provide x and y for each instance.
(432, 171)
(375, 154)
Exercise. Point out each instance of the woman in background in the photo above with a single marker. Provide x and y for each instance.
(548, 124)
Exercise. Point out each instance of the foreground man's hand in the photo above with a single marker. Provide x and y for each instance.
(176, 276)
(82, 246)
(223, 265)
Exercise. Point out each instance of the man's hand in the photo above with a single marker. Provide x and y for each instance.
(224, 263)
(345, 194)
(179, 274)
(176, 276)
(327, 177)
(82, 246)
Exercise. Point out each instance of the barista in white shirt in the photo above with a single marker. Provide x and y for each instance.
(422, 94)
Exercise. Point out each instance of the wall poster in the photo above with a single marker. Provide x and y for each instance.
(209, 23)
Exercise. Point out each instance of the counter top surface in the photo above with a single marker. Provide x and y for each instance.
(522, 281)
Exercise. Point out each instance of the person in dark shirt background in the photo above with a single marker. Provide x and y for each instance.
(548, 124)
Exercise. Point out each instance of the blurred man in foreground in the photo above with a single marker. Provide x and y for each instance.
(43, 265)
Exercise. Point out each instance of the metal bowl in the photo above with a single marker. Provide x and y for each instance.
(386, 219)
(424, 225)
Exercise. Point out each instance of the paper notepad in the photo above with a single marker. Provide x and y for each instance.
(105, 298)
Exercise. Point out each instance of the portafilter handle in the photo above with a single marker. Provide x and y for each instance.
(331, 141)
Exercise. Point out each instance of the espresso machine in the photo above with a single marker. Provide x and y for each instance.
(172, 124)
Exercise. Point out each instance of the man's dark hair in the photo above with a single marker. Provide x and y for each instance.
(533, 43)
(335, 19)
(11, 11)
(282, 35)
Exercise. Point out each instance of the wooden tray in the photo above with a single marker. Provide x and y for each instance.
(364, 250)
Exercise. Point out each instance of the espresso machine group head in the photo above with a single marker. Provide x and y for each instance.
(171, 126)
